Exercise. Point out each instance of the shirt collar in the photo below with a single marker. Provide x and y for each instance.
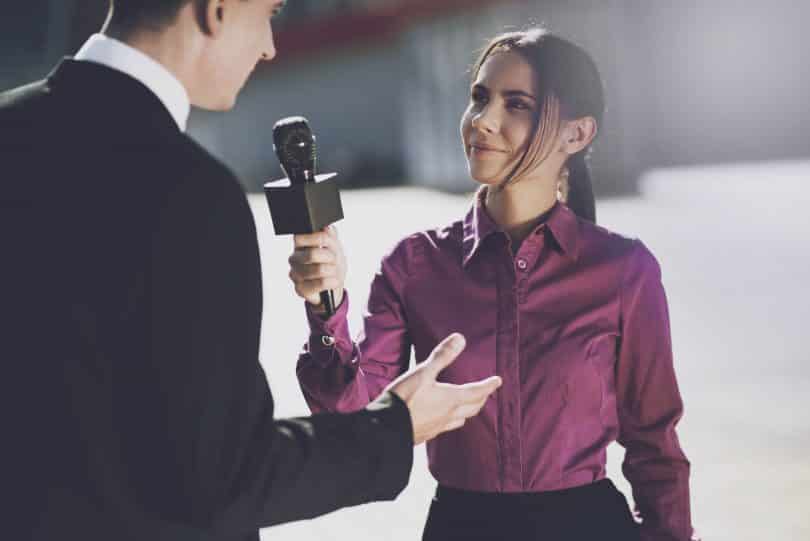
(562, 223)
(119, 56)
(478, 225)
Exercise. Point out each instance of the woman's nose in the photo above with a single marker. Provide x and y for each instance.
(485, 120)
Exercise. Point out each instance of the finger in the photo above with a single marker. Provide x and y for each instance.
(315, 271)
(480, 390)
(445, 353)
(312, 240)
(471, 393)
(453, 425)
(470, 410)
(313, 297)
(307, 256)
(311, 287)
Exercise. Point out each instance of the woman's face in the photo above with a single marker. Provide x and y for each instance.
(497, 126)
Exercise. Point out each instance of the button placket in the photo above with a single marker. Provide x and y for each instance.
(507, 278)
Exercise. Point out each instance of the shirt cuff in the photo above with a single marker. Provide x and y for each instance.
(329, 337)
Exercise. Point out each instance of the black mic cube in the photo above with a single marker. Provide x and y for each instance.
(303, 207)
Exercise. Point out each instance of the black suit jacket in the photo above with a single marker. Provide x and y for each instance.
(133, 402)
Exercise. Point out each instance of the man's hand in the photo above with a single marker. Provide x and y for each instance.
(438, 407)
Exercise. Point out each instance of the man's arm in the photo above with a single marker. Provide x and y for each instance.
(242, 468)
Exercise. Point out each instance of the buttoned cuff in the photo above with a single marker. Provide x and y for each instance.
(329, 339)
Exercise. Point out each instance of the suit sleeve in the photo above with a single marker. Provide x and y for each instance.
(239, 467)
(650, 404)
(339, 374)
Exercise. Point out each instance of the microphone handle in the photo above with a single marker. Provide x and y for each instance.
(328, 301)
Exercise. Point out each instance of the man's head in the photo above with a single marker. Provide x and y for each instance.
(212, 46)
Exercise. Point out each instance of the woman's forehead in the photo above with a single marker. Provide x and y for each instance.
(507, 69)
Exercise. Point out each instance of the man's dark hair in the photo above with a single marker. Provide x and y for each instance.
(127, 16)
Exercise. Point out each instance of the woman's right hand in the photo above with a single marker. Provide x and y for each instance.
(318, 264)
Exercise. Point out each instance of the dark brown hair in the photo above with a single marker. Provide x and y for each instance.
(127, 16)
(570, 87)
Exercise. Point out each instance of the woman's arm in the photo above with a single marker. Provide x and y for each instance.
(650, 404)
(338, 374)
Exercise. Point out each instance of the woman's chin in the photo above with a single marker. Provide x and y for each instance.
(486, 180)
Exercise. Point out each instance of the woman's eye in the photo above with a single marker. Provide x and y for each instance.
(478, 97)
(518, 105)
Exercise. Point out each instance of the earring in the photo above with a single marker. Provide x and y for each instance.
(562, 185)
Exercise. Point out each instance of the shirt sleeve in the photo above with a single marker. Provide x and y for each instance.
(650, 404)
(339, 374)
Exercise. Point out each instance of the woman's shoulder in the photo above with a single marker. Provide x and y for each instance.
(597, 242)
(420, 246)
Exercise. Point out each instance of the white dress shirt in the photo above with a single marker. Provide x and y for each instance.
(119, 56)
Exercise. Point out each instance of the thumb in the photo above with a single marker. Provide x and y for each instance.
(446, 352)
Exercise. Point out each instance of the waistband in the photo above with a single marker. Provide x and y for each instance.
(583, 493)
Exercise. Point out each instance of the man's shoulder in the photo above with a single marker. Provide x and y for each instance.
(193, 155)
(19, 106)
(21, 96)
(199, 170)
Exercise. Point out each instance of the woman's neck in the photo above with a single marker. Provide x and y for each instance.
(517, 207)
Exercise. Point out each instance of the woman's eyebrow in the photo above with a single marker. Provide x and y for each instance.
(514, 93)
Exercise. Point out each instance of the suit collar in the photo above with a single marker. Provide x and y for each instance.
(117, 55)
(112, 93)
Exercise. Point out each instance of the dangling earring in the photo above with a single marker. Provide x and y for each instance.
(562, 185)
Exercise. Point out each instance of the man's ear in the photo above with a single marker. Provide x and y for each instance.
(210, 15)
(578, 134)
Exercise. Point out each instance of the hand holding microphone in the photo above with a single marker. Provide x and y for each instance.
(317, 264)
(305, 204)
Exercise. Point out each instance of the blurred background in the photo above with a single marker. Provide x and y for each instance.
(704, 155)
(384, 82)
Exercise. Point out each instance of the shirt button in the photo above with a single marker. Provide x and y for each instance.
(327, 341)
(522, 264)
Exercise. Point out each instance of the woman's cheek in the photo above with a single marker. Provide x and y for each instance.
(465, 128)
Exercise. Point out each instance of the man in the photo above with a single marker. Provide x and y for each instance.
(134, 406)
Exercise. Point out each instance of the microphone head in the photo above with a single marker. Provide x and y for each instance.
(294, 144)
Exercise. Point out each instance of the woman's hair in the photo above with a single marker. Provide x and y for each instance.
(570, 87)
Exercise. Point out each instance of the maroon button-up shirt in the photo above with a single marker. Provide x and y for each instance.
(576, 324)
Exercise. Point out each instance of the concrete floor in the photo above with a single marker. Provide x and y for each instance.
(734, 245)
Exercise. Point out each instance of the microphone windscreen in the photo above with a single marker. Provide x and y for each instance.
(294, 144)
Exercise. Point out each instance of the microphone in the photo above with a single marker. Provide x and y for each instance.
(294, 144)
(303, 202)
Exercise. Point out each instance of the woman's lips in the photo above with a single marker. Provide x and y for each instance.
(484, 150)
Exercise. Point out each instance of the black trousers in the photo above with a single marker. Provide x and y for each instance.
(595, 512)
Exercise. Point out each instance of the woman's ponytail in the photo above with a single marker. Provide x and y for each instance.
(580, 187)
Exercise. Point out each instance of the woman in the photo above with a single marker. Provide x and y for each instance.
(572, 317)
